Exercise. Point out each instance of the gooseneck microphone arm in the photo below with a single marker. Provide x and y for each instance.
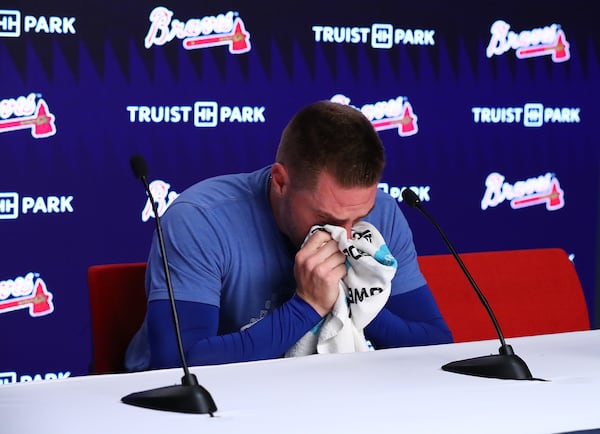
(140, 170)
(417, 204)
(189, 396)
(506, 364)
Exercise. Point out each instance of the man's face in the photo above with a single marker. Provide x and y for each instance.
(328, 203)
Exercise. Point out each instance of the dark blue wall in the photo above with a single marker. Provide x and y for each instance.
(68, 199)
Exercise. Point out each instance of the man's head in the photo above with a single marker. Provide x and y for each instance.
(331, 137)
(326, 171)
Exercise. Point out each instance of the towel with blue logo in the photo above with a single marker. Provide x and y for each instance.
(363, 292)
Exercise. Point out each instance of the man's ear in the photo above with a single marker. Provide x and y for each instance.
(280, 179)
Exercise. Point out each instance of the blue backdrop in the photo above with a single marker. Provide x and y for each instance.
(489, 113)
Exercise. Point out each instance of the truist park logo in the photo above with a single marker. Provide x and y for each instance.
(203, 114)
(396, 192)
(541, 190)
(396, 113)
(10, 377)
(13, 23)
(26, 292)
(210, 31)
(546, 41)
(379, 35)
(27, 113)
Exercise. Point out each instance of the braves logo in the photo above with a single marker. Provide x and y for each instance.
(387, 115)
(549, 40)
(39, 300)
(543, 190)
(41, 123)
(209, 31)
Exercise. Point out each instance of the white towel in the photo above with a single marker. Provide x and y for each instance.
(363, 292)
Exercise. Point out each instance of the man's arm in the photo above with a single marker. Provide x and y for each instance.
(411, 316)
(268, 338)
(409, 319)
(319, 265)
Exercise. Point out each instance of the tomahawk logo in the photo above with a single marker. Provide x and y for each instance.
(543, 190)
(210, 31)
(24, 113)
(396, 113)
(29, 291)
(546, 41)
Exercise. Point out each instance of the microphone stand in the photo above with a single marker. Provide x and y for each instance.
(189, 396)
(506, 364)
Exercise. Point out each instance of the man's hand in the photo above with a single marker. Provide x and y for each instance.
(318, 269)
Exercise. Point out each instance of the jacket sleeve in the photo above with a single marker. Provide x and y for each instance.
(268, 338)
(409, 319)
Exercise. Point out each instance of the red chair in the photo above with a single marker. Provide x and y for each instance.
(118, 306)
(531, 292)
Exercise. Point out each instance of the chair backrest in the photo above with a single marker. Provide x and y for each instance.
(118, 306)
(531, 292)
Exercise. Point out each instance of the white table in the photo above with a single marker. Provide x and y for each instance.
(386, 391)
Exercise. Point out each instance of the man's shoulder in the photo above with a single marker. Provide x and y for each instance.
(384, 197)
(222, 189)
(385, 204)
(387, 215)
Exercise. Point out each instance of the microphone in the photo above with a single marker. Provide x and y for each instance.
(506, 364)
(189, 396)
(140, 170)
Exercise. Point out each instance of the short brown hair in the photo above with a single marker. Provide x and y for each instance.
(332, 137)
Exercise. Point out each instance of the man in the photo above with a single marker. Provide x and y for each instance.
(246, 286)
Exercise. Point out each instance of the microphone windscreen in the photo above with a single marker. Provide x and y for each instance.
(139, 167)
(410, 197)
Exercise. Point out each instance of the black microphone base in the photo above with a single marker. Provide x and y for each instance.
(178, 398)
(502, 366)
